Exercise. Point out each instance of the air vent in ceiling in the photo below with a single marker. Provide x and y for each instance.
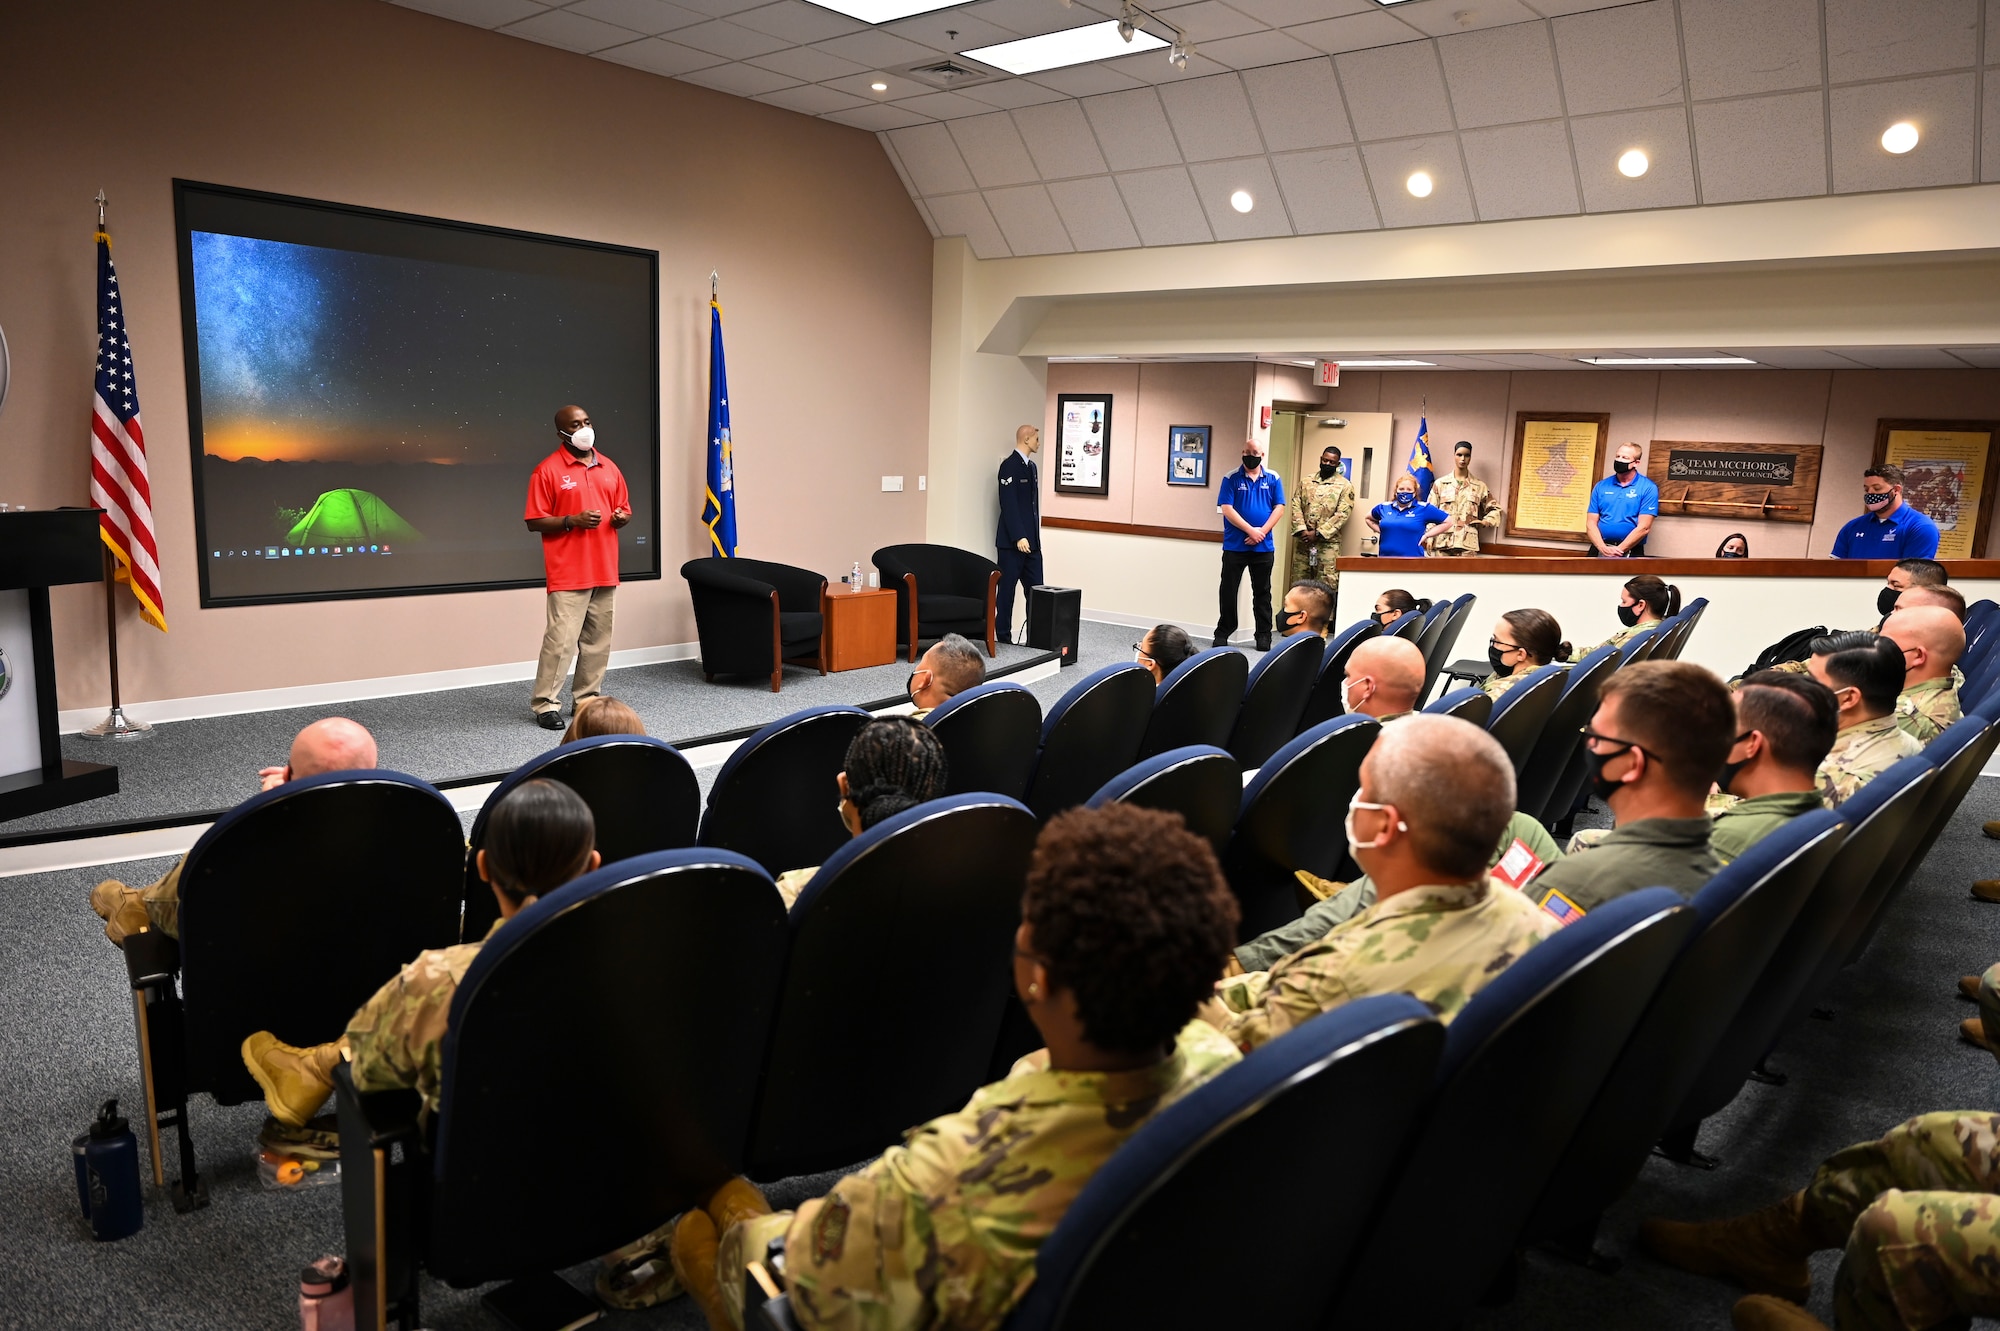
(948, 73)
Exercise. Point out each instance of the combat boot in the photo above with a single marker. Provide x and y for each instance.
(1992, 829)
(733, 1203)
(1764, 1251)
(296, 1082)
(1761, 1312)
(693, 1251)
(122, 909)
(1968, 987)
(1973, 1031)
(1987, 889)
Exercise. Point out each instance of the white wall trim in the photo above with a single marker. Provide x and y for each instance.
(1203, 634)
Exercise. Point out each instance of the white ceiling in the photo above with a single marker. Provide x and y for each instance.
(1322, 108)
(1770, 358)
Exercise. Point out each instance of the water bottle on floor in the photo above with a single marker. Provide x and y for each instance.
(326, 1297)
(107, 1175)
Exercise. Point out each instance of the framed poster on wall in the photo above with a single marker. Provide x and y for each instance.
(1187, 454)
(1083, 443)
(1947, 477)
(1558, 456)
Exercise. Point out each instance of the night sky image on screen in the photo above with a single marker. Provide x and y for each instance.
(370, 411)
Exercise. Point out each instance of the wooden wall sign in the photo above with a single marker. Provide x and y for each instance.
(1763, 482)
(1947, 476)
(1558, 456)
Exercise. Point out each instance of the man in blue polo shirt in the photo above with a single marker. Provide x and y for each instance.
(1622, 508)
(1890, 529)
(1251, 502)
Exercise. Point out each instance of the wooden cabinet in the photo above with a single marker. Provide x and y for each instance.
(860, 626)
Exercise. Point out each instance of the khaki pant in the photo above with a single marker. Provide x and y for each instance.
(579, 626)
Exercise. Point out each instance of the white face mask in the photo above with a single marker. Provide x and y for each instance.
(1347, 696)
(1348, 823)
(582, 440)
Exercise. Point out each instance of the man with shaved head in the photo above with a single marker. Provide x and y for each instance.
(1435, 794)
(1384, 677)
(577, 501)
(1932, 639)
(1018, 542)
(333, 745)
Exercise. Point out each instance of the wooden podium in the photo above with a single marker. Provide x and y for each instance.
(40, 550)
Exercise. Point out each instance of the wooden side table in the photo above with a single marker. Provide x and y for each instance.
(860, 626)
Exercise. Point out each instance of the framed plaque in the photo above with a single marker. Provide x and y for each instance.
(1083, 443)
(1947, 466)
(1765, 482)
(1187, 454)
(1558, 457)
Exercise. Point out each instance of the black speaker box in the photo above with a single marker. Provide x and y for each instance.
(1055, 617)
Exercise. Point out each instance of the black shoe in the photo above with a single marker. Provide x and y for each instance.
(1263, 644)
(550, 720)
(1220, 642)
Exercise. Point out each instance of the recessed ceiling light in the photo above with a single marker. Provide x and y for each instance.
(1419, 184)
(879, 86)
(1666, 360)
(1387, 364)
(1900, 137)
(1241, 201)
(1071, 360)
(1071, 46)
(1633, 163)
(884, 11)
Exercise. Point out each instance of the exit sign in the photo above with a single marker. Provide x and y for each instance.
(1327, 374)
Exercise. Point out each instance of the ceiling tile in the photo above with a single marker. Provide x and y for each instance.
(945, 106)
(1502, 75)
(651, 17)
(1558, 8)
(1214, 182)
(811, 99)
(1985, 358)
(1661, 133)
(720, 8)
(1520, 170)
(1255, 49)
(1326, 190)
(1618, 59)
(1940, 107)
(1208, 21)
(934, 29)
(1735, 47)
(797, 22)
(1211, 118)
(966, 215)
(1298, 105)
(479, 13)
(1028, 220)
(657, 55)
(932, 159)
(1902, 358)
(1285, 13)
(1094, 214)
(877, 49)
(1010, 93)
(805, 62)
(862, 85)
(1793, 358)
(1153, 67)
(572, 32)
(992, 148)
(1060, 140)
(1084, 80)
(1761, 147)
(1031, 18)
(1989, 130)
(1389, 167)
(743, 80)
(902, 173)
(725, 38)
(877, 117)
(1164, 207)
(1871, 39)
(1395, 91)
(1440, 18)
(1132, 129)
(1355, 32)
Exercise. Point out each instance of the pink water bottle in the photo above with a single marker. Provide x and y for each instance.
(326, 1297)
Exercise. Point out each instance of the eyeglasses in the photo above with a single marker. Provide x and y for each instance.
(1592, 737)
(1140, 653)
(1498, 645)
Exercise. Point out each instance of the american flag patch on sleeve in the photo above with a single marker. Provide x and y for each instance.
(1567, 912)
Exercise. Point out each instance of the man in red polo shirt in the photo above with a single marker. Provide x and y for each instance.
(570, 496)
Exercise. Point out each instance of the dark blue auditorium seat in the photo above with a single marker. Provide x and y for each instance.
(1201, 783)
(1291, 819)
(989, 734)
(1197, 702)
(1522, 711)
(1326, 701)
(775, 799)
(1090, 735)
(1545, 780)
(1470, 705)
(1275, 698)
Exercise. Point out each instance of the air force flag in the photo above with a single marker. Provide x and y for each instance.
(1419, 464)
(718, 510)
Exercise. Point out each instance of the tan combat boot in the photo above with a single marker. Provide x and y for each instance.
(1968, 987)
(1973, 1031)
(1987, 889)
(1992, 829)
(733, 1203)
(1764, 1251)
(296, 1082)
(693, 1251)
(121, 908)
(1761, 1312)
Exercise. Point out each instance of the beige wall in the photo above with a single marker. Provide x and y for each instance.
(826, 281)
(1146, 401)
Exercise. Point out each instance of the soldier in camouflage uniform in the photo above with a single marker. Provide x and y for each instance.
(1861, 752)
(943, 1230)
(1471, 505)
(1865, 672)
(1915, 1210)
(1319, 516)
(1932, 639)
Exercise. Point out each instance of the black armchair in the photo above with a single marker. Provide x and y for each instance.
(940, 589)
(751, 616)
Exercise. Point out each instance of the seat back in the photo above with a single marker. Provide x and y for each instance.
(1474, 705)
(1440, 653)
(1637, 647)
(1410, 627)
(642, 795)
(1357, 1074)
(1292, 818)
(633, 1004)
(1523, 712)
(1741, 914)
(776, 799)
(302, 901)
(1090, 735)
(1275, 698)
(925, 903)
(1326, 701)
(1201, 783)
(1521, 1063)
(1436, 620)
(1197, 702)
(1561, 740)
(989, 734)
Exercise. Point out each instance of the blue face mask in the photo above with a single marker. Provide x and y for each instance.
(1877, 500)
(1404, 499)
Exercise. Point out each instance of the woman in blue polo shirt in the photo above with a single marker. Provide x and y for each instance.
(1404, 523)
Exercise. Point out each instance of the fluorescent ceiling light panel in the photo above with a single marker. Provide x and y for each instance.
(1071, 46)
(1666, 360)
(884, 11)
(1383, 364)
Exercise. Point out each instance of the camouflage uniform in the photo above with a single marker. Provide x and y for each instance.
(1440, 944)
(1924, 710)
(1496, 686)
(792, 882)
(1663, 852)
(942, 1231)
(1860, 753)
(1743, 823)
(1624, 635)
(1324, 506)
(396, 1040)
(1468, 501)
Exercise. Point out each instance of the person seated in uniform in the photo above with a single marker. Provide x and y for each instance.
(1914, 1213)
(1643, 603)
(949, 668)
(1308, 608)
(1125, 920)
(1164, 647)
(603, 715)
(1785, 725)
(1383, 678)
(1435, 793)
(1909, 582)
(1951, 598)
(1932, 640)
(333, 745)
(1395, 603)
(893, 763)
(1865, 671)
(1659, 736)
(1523, 642)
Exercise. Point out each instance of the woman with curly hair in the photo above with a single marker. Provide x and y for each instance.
(893, 763)
(1125, 924)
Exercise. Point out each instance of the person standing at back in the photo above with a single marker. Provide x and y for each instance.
(1325, 503)
(1622, 508)
(1889, 528)
(1252, 503)
(577, 501)
(1019, 538)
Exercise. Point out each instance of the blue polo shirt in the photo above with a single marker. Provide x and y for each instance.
(1618, 506)
(1904, 534)
(1254, 501)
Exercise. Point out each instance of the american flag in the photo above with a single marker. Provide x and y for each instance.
(118, 451)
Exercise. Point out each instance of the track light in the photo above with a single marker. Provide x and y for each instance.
(1177, 54)
(1126, 28)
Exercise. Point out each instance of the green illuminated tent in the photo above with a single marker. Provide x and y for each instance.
(350, 515)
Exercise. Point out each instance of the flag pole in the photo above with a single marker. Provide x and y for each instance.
(115, 725)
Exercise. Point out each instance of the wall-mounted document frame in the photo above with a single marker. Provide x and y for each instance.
(1187, 454)
(1083, 443)
(1560, 455)
(1948, 477)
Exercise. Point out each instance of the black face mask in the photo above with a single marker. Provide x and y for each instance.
(1622, 467)
(1379, 616)
(1286, 619)
(1729, 770)
(1493, 655)
(1600, 787)
(1628, 615)
(1885, 600)
(1250, 461)
(1328, 470)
